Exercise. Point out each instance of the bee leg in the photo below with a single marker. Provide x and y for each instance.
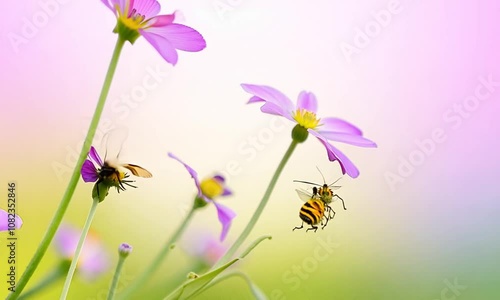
(326, 222)
(330, 215)
(343, 204)
(297, 227)
(315, 228)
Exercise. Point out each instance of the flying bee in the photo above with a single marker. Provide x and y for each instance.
(325, 191)
(313, 211)
(322, 193)
(109, 172)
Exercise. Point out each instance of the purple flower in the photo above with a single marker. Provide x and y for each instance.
(208, 189)
(107, 176)
(304, 114)
(6, 219)
(93, 258)
(140, 17)
(89, 172)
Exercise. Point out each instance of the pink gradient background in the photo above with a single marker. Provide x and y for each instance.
(441, 222)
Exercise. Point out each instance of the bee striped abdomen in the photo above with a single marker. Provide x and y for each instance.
(312, 211)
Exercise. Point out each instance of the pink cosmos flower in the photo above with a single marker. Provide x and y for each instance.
(209, 189)
(140, 17)
(93, 260)
(304, 114)
(4, 221)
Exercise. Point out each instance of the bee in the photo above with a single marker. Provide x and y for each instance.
(313, 211)
(317, 207)
(113, 173)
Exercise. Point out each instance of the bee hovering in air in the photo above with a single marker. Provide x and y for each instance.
(313, 212)
(109, 172)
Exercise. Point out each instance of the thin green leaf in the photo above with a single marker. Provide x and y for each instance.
(194, 286)
(191, 286)
(254, 244)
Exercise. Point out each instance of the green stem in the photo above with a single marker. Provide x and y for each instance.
(116, 277)
(63, 205)
(79, 248)
(156, 263)
(228, 275)
(51, 278)
(227, 256)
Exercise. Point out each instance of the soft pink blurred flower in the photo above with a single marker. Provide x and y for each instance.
(94, 258)
(204, 246)
(4, 221)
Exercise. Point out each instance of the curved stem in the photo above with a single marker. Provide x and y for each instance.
(227, 256)
(51, 278)
(228, 275)
(63, 205)
(156, 263)
(79, 248)
(116, 277)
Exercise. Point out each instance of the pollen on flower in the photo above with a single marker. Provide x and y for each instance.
(306, 119)
(133, 21)
(211, 188)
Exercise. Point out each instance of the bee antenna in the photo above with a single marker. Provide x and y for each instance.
(335, 181)
(306, 182)
(324, 181)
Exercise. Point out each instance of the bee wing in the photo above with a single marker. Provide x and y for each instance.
(138, 171)
(113, 141)
(335, 187)
(304, 195)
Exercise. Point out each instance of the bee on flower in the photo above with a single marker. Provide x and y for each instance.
(109, 172)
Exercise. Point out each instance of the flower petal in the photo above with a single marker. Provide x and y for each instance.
(334, 154)
(180, 36)
(66, 240)
(191, 171)
(227, 192)
(162, 20)
(106, 2)
(347, 138)
(94, 259)
(95, 156)
(276, 102)
(147, 8)
(162, 45)
(4, 221)
(307, 101)
(338, 125)
(89, 172)
(226, 215)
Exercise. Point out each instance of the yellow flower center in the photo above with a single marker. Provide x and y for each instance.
(211, 188)
(132, 20)
(306, 119)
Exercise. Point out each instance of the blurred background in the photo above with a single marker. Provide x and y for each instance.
(421, 78)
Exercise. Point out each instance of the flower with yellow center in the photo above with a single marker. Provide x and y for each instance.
(304, 115)
(137, 18)
(208, 190)
(306, 119)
